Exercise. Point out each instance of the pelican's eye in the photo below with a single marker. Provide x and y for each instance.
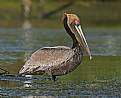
(76, 22)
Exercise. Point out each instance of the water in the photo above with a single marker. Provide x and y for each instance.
(99, 77)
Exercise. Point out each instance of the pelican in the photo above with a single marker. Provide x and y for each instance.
(59, 60)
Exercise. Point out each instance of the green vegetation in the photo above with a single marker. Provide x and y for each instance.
(91, 13)
(9, 10)
(100, 68)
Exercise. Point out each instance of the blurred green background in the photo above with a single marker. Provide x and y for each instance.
(42, 12)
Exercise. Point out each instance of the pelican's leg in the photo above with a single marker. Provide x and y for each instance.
(53, 78)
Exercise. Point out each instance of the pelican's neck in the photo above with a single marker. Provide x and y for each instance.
(75, 42)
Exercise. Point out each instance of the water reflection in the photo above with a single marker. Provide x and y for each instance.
(38, 97)
(62, 89)
(90, 79)
(28, 83)
(26, 24)
(112, 45)
(85, 81)
(104, 41)
(17, 40)
(27, 36)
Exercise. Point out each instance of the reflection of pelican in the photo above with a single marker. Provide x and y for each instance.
(26, 24)
(28, 83)
(59, 60)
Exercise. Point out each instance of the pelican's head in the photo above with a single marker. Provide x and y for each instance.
(73, 27)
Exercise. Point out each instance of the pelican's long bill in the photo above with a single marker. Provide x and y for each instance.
(76, 28)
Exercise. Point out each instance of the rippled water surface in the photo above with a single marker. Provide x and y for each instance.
(99, 77)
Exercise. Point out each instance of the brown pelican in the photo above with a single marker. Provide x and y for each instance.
(59, 60)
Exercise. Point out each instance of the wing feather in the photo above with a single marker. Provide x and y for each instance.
(47, 57)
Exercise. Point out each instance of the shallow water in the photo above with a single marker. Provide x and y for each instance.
(99, 77)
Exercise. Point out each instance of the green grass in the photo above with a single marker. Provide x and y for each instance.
(97, 69)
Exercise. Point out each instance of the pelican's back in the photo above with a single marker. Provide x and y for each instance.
(56, 61)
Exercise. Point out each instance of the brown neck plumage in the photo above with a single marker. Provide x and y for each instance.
(75, 42)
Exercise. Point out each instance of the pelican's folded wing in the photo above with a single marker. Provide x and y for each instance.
(46, 58)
